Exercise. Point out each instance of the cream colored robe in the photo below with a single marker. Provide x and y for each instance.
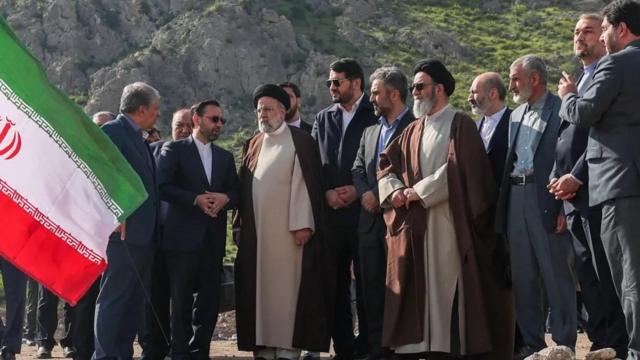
(281, 204)
(443, 270)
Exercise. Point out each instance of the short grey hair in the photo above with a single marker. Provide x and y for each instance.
(530, 64)
(136, 95)
(393, 79)
(103, 113)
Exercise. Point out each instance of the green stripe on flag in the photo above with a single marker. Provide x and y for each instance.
(24, 75)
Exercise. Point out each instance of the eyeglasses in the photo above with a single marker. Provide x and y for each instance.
(335, 82)
(215, 119)
(419, 86)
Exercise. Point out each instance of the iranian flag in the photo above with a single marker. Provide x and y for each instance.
(64, 186)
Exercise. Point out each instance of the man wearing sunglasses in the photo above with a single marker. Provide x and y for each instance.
(199, 181)
(338, 130)
(437, 190)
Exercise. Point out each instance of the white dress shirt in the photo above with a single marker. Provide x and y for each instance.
(488, 126)
(347, 116)
(205, 156)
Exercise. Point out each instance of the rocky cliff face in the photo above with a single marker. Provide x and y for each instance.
(196, 49)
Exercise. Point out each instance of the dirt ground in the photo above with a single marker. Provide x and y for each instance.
(224, 344)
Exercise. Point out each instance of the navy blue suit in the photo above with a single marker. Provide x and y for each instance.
(337, 154)
(193, 244)
(121, 298)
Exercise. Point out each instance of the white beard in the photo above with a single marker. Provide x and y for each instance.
(422, 107)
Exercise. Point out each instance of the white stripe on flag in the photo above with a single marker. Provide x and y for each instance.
(51, 181)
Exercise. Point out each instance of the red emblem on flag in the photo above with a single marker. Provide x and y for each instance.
(10, 139)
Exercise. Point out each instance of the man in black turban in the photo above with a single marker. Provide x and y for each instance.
(282, 276)
(436, 187)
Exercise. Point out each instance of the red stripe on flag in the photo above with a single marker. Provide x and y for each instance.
(42, 255)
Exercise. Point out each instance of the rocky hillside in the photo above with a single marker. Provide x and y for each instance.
(196, 49)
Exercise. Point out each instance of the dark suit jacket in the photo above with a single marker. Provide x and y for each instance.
(365, 166)
(337, 152)
(181, 178)
(610, 107)
(305, 126)
(498, 145)
(542, 163)
(142, 224)
(570, 158)
(156, 147)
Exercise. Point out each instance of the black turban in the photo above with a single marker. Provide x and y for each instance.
(272, 91)
(438, 73)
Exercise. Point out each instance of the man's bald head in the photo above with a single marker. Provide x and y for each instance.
(487, 94)
(181, 124)
(102, 117)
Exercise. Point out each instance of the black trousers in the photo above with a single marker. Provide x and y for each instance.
(606, 324)
(82, 323)
(47, 320)
(345, 250)
(193, 320)
(151, 336)
(372, 254)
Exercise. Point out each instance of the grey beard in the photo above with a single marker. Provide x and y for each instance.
(422, 107)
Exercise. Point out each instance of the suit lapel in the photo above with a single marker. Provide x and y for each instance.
(499, 132)
(215, 165)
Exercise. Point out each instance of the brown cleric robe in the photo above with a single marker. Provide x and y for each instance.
(313, 312)
(488, 302)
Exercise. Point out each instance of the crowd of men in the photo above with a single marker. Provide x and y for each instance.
(467, 239)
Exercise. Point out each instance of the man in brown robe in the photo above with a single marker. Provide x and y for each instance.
(444, 261)
(281, 265)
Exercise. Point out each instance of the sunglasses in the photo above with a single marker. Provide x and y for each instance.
(335, 82)
(418, 86)
(216, 119)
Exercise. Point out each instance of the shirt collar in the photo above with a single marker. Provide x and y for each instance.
(135, 126)
(200, 144)
(497, 115)
(355, 106)
(591, 67)
(383, 120)
(538, 105)
(436, 115)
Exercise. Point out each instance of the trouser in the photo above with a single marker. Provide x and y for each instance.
(31, 309)
(83, 318)
(620, 233)
(540, 261)
(345, 245)
(605, 321)
(372, 255)
(120, 300)
(15, 283)
(152, 337)
(47, 320)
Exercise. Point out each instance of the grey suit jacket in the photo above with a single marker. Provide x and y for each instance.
(542, 163)
(611, 106)
(142, 224)
(365, 166)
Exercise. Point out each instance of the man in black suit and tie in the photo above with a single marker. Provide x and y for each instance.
(130, 249)
(540, 247)
(292, 116)
(389, 91)
(338, 130)
(605, 323)
(199, 181)
(610, 107)
(487, 98)
(151, 336)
